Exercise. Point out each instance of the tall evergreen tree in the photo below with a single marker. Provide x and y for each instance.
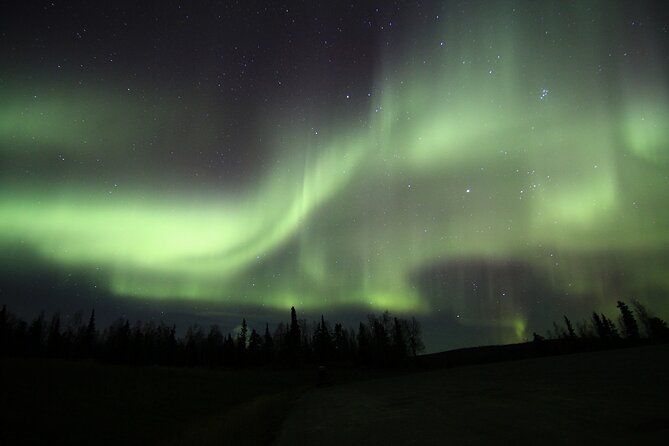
(242, 338)
(340, 342)
(611, 332)
(643, 315)
(195, 345)
(570, 329)
(600, 328)
(228, 350)
(280, 339)
(399, 339)
(629, 325)
(214, 350)
(654, 327)
(380, 341)
(322, 341)
(294, 336)
(255, 346)
(90, 329)
(363, 342)
(415, 336)
(268, 344)
(658, 330)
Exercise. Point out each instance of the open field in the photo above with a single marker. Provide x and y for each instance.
(608, 397)
(61, 402)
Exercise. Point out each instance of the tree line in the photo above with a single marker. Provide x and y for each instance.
(381, 340)
(633, 325)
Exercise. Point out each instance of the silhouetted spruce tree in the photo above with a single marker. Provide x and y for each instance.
(194, 345)
(387, 320)
(584, 330)
(399, 339)
(643, 315)
(658, 329)
(415, 336)
(570, 329)
(171, 344)
(340, 343)
(160, 351)
(629, 325)
(90, 328)
(117, 341)
(558, 332)
(380, 342)
(611, 332)
(654, 327)
(72, 335)
(255, 346)
(306, 341)
(214, 346)
(293, 337)
(351, 343)
(85, 337)
(242, 340)
(322, 341)
(600, 329)
(279, 340)
(267, 345)
(229, 350)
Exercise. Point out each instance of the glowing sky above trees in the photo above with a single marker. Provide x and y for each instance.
(488, 167)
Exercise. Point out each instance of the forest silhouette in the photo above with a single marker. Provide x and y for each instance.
(382, 340)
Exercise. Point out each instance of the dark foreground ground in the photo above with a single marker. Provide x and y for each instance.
(85, 403)
(608, 397)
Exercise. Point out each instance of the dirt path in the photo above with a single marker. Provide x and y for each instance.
(617, 396)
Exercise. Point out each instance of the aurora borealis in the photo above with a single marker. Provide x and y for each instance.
(486, 167)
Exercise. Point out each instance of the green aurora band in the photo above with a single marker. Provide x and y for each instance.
(507, 147)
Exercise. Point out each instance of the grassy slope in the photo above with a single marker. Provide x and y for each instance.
(45, 401)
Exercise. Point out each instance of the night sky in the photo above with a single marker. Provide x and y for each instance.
(484, 166)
